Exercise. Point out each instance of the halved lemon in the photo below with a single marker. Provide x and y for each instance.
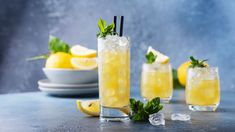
(83, 52)
(84, 63)
(161, 58)
(90, 107)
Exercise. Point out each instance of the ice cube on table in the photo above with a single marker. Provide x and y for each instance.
(180, 117)
(157, 119)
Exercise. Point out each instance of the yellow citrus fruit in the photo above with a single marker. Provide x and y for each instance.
(161, 58)
(59, 60)
(182, 72)
(92, 107)
(83, 52)
(84, 63)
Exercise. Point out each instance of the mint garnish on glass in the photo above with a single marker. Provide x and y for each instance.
(141, 111)
(104, 29)
(150, 57)
(197, 63)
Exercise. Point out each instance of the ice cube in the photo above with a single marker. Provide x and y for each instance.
(157, 119)
(180, 117)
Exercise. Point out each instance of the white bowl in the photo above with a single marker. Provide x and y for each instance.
(71, 76)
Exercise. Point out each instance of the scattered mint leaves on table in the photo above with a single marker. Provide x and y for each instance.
(197, 63)
(150, 57)
(104, 29)
(141, 111)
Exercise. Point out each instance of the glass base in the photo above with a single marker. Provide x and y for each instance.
(203, 108)
(113, 114)
(162, 100)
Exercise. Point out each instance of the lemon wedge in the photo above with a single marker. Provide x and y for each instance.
(59, 60)
(84, 63)
(82, 52)
(90, 107)
(163, 59)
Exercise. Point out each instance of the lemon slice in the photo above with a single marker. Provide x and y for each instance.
(83, 52)
(84, 63)
(163, 59)
(90, 107)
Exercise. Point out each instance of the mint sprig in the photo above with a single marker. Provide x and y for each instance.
(150, 57)
(104, 29)
(54, 45)
(197, 63)
(57, 45)
(141, 112)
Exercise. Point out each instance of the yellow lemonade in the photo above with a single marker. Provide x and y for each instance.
(203, 93)
(203, 88)
(114, 77)
(157, 82)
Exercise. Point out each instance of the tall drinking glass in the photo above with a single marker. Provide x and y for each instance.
(114, 77)
(203, 89)
(157, 81)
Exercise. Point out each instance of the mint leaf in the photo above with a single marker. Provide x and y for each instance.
(150, 57)
(102, 25)
(57, 45)
(197, 63)
(141, 112)
(105, 30)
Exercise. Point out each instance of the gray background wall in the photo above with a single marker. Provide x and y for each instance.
(178, 28)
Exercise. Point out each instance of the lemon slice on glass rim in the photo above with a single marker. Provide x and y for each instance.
(161, 58)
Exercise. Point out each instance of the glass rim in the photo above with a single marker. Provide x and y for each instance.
(104, 38)
(214, 67)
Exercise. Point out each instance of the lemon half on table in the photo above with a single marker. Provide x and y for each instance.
(92, 107)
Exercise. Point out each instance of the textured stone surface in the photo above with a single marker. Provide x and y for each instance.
(178, 28)
(38, 112)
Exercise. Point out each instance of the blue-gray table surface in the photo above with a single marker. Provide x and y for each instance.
(36, 111)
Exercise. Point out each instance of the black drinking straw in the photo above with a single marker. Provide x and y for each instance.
(115, 23)
(121, 26)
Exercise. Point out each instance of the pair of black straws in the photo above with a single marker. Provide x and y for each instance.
(121, 24)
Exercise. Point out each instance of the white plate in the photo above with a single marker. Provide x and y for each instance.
(68, 92)
(46, 83)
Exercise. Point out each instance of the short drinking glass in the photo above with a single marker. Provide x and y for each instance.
(157, 81)
(203, 89)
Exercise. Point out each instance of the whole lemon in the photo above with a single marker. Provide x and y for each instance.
(182, 72)
(59, 60)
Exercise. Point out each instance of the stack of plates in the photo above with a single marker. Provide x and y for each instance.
(45, 85)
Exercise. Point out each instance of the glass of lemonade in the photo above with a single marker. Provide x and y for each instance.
(114, 77)
(203, 89)
(157, 81)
